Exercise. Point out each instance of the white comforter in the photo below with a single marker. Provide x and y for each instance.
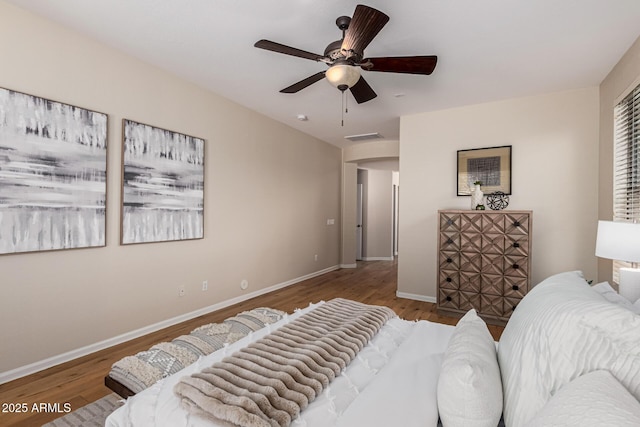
(391, 382)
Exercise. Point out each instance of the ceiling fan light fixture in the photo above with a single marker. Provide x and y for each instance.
(342, 75)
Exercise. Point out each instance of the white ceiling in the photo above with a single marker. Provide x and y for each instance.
(487, 50)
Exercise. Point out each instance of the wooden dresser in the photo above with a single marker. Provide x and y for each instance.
(483, 262)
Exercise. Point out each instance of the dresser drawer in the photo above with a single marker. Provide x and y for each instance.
(515, 287)
(450, 241)
(516, 224)
(509, 305)
(449, 279)
(516, 245)
(516, 266)
(449, 260)
(450, 222)
(448, 299)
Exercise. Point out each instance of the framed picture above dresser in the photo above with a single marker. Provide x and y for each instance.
(484, 262)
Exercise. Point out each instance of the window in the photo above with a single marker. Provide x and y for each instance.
(626, 173)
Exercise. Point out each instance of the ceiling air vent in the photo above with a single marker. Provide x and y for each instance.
(363, 137)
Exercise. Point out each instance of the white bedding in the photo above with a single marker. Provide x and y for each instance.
(392, 381)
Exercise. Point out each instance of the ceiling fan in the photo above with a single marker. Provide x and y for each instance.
(345, 57)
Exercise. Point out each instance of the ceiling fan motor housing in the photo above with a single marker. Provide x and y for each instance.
(333, 50)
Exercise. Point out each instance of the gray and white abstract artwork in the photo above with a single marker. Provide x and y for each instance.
(485, 169)
(53, 169)
(163, 185)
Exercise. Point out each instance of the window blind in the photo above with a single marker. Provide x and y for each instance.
(626, 173)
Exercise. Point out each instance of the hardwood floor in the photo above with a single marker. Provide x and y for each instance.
(81, 381)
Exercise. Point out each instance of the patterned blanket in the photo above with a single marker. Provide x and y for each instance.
(145, 368)
(269, 382)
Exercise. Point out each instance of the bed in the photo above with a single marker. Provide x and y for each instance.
(566, 342)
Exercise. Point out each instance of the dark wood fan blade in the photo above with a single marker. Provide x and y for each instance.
(287, 50)
(365, 25)
(304, 83)
(362, 92)
(401, 64)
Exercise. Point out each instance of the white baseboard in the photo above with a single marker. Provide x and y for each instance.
(32, 368)
(378, 258)
(416, 297)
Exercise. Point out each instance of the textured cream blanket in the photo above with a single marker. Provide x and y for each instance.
(271, 380)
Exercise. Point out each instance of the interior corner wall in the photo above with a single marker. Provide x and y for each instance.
(554, 174)
(363, 179)
(349, 213)
(268, 194)
(622, 78)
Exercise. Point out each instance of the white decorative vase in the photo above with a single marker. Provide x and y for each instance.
(476, 196)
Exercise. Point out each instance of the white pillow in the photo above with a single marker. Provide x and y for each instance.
(469, 386)
(610, 294)
(563, 329)
(593, 400)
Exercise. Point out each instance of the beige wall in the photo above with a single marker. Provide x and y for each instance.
(624, 77)
(269, 192)
(555, 163)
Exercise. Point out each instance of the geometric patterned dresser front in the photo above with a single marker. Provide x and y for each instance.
(483, 262)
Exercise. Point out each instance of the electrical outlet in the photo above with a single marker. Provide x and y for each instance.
(244, 284)
(315, 257)
(205, 285)
(181, 291)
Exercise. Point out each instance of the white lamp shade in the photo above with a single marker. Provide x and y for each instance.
(343, 74)
(618, 240)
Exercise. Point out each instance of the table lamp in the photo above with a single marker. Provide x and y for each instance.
(621, 241)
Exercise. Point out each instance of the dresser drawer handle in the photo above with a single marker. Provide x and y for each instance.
(516, 245)
(448, 279)
(449, 260)
(516, 266)
(515, 287)
(448, 298)
(449, 240)
(449, 222)
(516, 223)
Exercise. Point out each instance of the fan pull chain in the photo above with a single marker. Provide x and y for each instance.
(342, 109)
(346, 102)
(345, 108)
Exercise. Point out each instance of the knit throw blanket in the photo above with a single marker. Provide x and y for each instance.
(269, 382)
(147, 367)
